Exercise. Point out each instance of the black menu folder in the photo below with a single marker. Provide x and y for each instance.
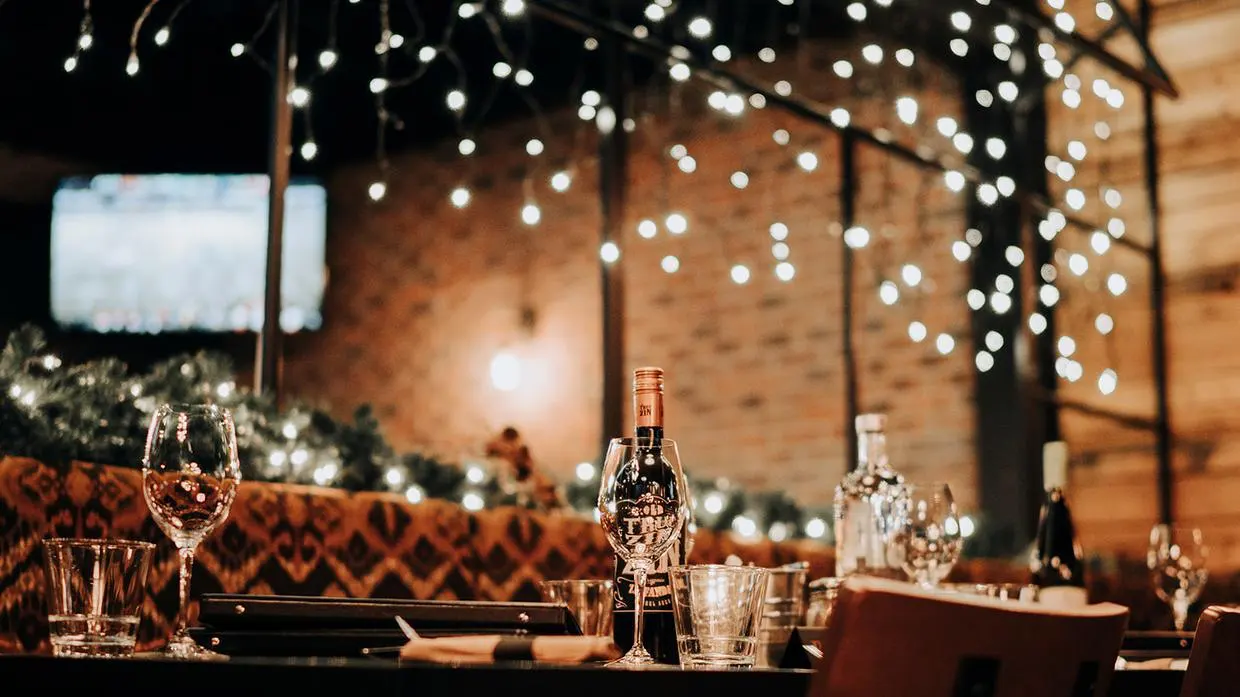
(266, 625)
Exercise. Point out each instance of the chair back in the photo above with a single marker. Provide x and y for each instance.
(1213, 668)
(889, 639)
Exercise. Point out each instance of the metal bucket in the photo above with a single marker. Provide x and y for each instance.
(783, 611)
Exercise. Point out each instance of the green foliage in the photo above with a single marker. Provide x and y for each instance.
(99, 412)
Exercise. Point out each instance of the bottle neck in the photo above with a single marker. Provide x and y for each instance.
(871, 450)
(648, 413)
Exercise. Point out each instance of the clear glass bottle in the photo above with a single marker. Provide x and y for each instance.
(868, 505)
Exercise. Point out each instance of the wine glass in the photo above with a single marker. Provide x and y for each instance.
(190, 473)
(929, 534)
(1177, 562)
(642, 504)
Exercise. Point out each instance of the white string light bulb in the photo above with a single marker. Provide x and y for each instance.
(426, 54)
(534, 147)
(994, 340)
(785, 271)
(513, 8)
(960, 47)
(531, 214)
(687, 164)
(501, 70)
(1049, 295)
(524, 78)
(975, 298)
(131, 66)
(807, 161)
(676, 224)
(1107, 381)
(781, 136)
(905, 57)
(1005, 33)
(1104, 10)
(842, 68)
(1117, 284)
(856, 11)
(670, 264)
(380, 84)
(655, 13)
(162, 36)
(327, 59)
(740, 274)
(954, 180)
(700, 27)
(1004, 283)
(888, 293)
(1000, 302)
(779, 231)
(459, 197)
(1014, 255)
(984, 361)
(1116, 227)
(1037, 323)
(996, 148)
(71, 64)
(963, 142)
(467, 10)
(721, 53)
(299, 96)
(377, 190)
(1008, 91)
(1100, 242)
(586, 112)
(840, 117)
(961, 250)
(236, 50)
(1006, 185)
(911, 274)
(85, 41)
(984, 98)
(872, 53)
(961, 21)
(308, 150)
(560, 181)
(609, 252)
(739, 179)
(906, 110)
(1066, 345)
(647, 229)
(1104, 323)
(766, 55)
(467, 146)
(679, 72)
(945, 343)
(1065, 21)
(1078, 264)
(780, 251)
(947, 126)
(856, 237)
(917, 331)
(455, 99)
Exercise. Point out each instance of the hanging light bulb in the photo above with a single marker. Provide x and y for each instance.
(459, 197)
(531, 214)
(560, 181)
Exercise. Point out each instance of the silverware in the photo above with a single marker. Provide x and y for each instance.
(406, 628)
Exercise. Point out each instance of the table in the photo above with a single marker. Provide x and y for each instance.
(354, 677)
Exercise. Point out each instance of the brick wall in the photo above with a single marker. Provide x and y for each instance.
(422, 295)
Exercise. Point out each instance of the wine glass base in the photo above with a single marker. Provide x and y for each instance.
(183, 648)
(634, 660)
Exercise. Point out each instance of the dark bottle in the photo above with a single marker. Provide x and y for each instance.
(659, 631)
(1057, 562)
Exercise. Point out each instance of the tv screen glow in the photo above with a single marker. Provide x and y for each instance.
(180, 252)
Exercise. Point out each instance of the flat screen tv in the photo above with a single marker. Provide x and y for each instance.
(182, 252)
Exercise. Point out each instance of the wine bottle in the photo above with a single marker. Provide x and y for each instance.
(868, 506)
(1056, 563)
(659, 631)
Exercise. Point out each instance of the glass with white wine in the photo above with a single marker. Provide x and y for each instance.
(190, 474)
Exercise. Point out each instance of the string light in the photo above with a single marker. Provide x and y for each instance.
(961, 250)
(917, 331)
(911, 274)
(807, 161)
(1104, 323)
(975, 298)
(460, 197)
(676, 224)
(740, 274)
(984, 361)
(531, 214)
(609, 252)
(945, 343)
(888, 293)
(856, 237)
(779, 231)
(670, 264)
(1037, 323)
(560, 181)
(1117, 284)
(785, 271)
(377, 190)
(1107, 381)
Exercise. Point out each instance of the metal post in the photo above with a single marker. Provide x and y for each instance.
(1158, 303)
(268, 363)
(848, 214)
(613, 174)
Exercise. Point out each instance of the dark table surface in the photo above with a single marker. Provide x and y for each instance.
(358, 677)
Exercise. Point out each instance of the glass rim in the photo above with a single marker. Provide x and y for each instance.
(104, 543)
(187, 408)
(588, 582)
(729, 568)
(629, 441)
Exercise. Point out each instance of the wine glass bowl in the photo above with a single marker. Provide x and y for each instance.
(642, 505)
(1177, 559)
(929, 535)
(190, 473)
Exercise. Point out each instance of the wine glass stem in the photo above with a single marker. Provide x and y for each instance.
(1179, 613)
(186, 555)
(639, 608)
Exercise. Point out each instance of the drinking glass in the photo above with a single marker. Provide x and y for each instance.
(718, 613)
(642, 505)
(190, 474)
(1177, 562)
(95, 590)
(590, 602)
(929, 534)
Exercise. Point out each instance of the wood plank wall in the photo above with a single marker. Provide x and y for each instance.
(1113, 473)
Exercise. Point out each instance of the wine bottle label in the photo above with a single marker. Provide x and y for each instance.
(1063, 597)
(658, 581)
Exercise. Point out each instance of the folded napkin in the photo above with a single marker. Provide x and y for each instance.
(1152, 664)
(493, 649)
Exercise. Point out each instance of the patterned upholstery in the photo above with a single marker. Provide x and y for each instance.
(298, 540)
